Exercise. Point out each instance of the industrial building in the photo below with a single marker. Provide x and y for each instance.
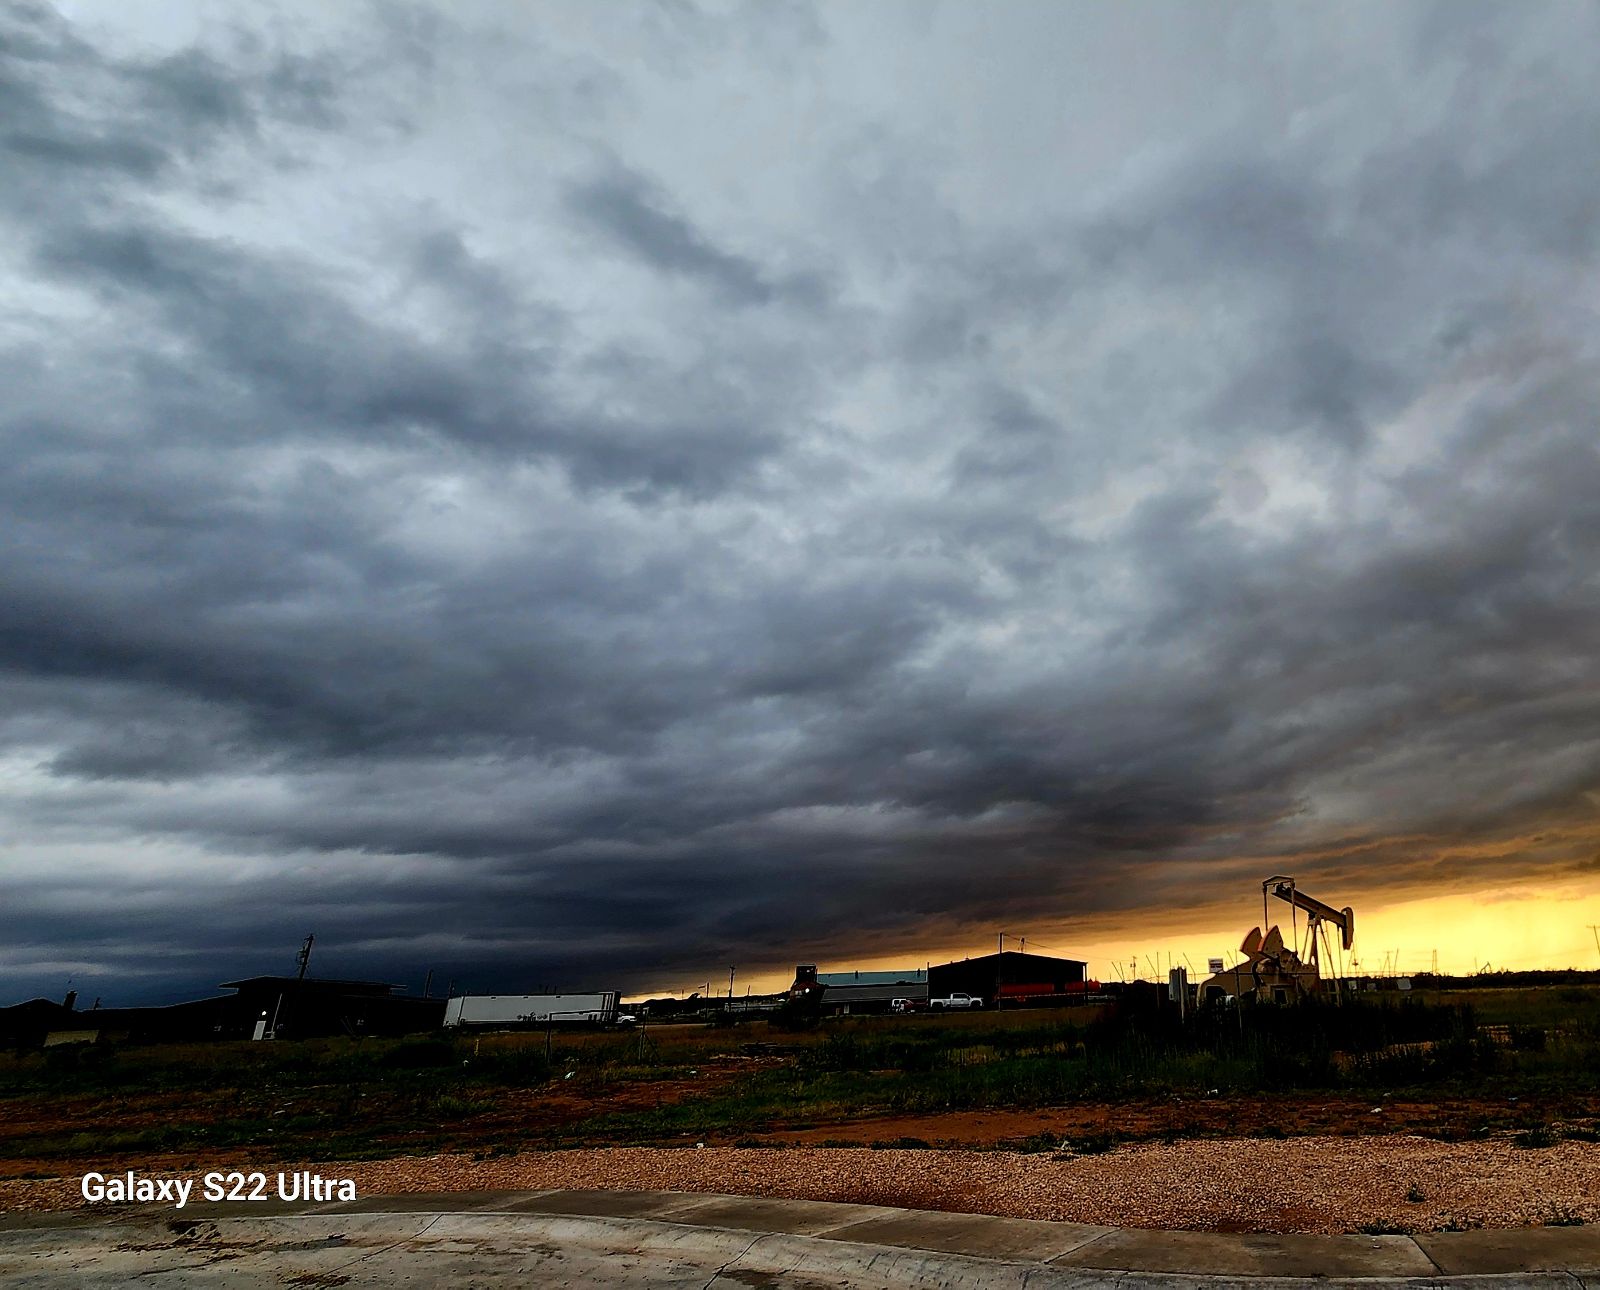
(280, 1006)
(853, 992)
(1013, 978)
(515, 1011)
(312, 1006)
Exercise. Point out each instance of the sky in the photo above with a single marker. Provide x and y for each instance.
(563, 501)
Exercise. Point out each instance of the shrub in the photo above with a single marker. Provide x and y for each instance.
(1537, 1135)
(1527, 1039)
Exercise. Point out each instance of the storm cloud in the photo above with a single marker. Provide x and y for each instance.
(560, 504)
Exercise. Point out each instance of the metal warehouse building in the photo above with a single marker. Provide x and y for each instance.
(519, 1011)
(1012, 977)
(855, 992)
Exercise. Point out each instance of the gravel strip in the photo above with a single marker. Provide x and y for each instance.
(1241, 1185)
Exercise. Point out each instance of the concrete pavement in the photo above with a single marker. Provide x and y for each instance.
(672, 1239)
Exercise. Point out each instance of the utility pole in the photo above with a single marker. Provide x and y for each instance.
(731, 971)
(303, 960)
(1595, 928)
(999, 970)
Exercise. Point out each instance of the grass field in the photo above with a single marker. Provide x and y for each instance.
(1519, 1061)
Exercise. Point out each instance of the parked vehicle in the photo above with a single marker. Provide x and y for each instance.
(906, 1005)
(955, 1001)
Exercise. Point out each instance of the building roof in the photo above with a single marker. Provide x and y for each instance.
(903, 976)
(1013, 957)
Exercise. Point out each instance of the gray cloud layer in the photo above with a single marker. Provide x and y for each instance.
(555, 504)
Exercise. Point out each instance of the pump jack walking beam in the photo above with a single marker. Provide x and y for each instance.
(1344, 919)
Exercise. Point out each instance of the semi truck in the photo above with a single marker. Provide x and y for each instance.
(507, 1011)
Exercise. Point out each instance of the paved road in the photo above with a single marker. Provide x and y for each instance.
(678, 1239)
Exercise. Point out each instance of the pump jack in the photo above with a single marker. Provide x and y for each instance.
(1279, 972)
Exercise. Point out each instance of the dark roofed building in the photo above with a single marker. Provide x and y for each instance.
(871, 991)
(300, 1009)
(1012, 977)
(26, 1025)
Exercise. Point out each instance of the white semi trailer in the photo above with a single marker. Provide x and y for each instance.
(507, 1010)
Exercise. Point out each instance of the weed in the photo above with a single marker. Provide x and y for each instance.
(379, 1096)
(419, 1054)
(1036, 1143)
(1536, 1135)
(448, 1104)
(1527, 1039)
(1415, 1194)
(1383, 1227)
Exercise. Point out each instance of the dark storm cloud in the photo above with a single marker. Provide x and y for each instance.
(624, 208)
(494, 505)
(639, 219)
(308, 364)
(69, 105)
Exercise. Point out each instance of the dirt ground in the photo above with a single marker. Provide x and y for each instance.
(507, 1112)
(1313, 1184)
(510, 1114)
(1173, 1118)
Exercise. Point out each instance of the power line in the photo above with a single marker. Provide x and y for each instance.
(1038, 945)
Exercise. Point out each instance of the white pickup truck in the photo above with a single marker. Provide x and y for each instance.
(955, 1001)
